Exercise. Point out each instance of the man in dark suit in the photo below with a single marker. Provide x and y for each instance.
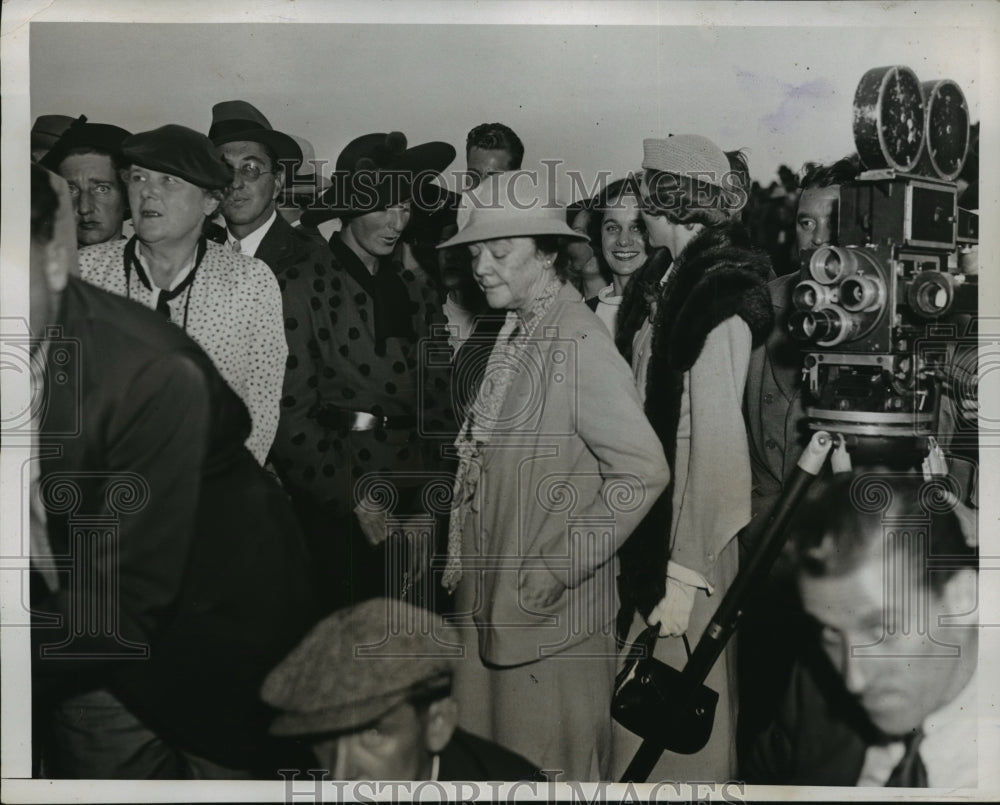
(369, 691)
(170, 573)
(888, 576)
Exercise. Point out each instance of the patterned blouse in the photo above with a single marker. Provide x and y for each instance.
(231, 307)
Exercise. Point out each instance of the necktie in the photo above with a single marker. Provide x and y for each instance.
(235, 246)
(910, 771)
(161, 305)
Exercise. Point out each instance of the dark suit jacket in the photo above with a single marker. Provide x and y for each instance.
(468, 757)
(819, 735)
(152, 496)
(285, 247)
(775, 415)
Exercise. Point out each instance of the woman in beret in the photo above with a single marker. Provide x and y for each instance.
(557, 465)
(690, 359)
(229, 303)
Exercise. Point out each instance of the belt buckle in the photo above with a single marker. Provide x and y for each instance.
(361, 421)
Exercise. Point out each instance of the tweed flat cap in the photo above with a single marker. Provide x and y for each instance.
(179, 151)
(357, 664)
(688, 155)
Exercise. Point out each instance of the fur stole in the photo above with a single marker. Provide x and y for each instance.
(717, 275)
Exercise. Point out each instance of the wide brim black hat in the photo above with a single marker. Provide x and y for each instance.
(376, 171)
(239, 121)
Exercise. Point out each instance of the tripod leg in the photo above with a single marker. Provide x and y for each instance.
(642, 763)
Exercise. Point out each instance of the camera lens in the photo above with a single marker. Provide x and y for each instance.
(809, 295)
(931, 294)
(825, 327)
(861, 293)
(830, 264)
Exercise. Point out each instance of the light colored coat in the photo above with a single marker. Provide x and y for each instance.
(563, 484)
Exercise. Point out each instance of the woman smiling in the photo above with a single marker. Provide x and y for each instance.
(618, 234)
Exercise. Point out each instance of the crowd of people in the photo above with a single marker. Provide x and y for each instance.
(380, 478)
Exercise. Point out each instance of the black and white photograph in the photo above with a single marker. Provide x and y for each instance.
(500, 400)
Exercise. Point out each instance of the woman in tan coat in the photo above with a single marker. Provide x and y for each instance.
(557, 466)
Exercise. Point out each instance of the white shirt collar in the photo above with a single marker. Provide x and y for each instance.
(949, 750)
(251, 242)
(607, 296)
(154, 297)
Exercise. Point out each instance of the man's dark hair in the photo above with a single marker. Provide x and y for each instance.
(44, 204)
(843, 170)
(496, 137)
(842, 522)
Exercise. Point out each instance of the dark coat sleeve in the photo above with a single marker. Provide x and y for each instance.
(154, 441)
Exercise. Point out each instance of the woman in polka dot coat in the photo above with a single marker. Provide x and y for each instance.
(366, 390)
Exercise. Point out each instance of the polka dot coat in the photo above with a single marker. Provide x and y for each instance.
(233, 311)
(333, 362)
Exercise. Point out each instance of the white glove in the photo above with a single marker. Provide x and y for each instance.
(673, 613)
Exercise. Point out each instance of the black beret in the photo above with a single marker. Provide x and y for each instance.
(98, 136)
(179, 151)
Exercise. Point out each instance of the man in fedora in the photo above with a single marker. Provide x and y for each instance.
(304, 188)
(89, 157)
(357, 399)
(45, 132)
(371, 710)
(262, 160)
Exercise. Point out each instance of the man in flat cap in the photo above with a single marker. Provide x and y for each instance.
(373, 709)
(89, 157)
(359, 401)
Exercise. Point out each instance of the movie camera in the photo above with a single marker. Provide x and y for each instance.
(881, 315)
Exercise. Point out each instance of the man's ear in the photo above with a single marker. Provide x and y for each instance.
(442, 718)
(279, 182)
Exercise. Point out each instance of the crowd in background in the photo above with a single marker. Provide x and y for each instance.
(534, 433)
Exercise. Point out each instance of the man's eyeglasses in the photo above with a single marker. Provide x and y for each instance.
(250, 172)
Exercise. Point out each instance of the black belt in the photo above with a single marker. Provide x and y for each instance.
(330, 416)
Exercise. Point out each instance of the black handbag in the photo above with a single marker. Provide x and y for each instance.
(663, 706)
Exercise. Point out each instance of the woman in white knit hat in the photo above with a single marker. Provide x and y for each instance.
(557, 465)
(690, 359)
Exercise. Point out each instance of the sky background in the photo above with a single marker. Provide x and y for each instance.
(584, 94)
